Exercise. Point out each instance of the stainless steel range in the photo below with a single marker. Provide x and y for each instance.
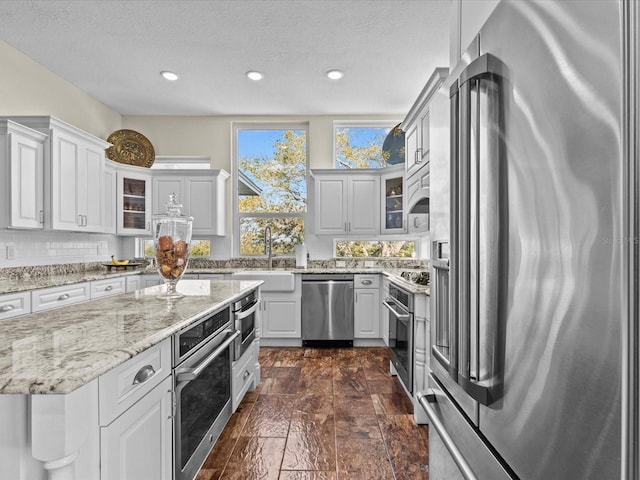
(399, 303)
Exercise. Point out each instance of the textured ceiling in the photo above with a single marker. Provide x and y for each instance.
(114, 51)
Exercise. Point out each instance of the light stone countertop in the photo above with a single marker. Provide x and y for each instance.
(13, 285)
(59, 350)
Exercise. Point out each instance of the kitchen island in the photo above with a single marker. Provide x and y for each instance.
(51, 363)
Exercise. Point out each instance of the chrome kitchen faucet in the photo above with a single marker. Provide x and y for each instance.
(267, 247)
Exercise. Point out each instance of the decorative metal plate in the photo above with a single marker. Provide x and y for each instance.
(131, 148)
(393, 146)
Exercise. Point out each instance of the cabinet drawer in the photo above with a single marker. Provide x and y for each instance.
(54, 297)
(243, 374)
(366, 281)
(127, 383)
(108, 287)
(14, 304)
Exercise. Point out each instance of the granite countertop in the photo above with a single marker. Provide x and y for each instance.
(59, 350)
(13, 285)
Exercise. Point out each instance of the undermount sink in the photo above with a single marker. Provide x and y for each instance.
(274, 280)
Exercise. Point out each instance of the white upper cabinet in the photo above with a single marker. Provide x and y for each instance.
(347, 202)
(424, 137)
(22, 151)
(73, 175)
(202, 194)
(393, 209)
(133, 200)
(110, 187)
(417, 125)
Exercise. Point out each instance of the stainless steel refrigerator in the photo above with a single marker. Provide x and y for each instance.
(528, 234)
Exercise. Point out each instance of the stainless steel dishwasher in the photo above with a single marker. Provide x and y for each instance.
(327, 310)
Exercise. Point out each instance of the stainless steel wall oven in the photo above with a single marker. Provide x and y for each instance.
(202, 356)
(245, 317)
(399, 303)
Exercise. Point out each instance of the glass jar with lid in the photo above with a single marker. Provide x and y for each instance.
(172, 237)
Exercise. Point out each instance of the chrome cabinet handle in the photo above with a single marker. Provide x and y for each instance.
(425, 399)
(247, 313)
(41, 216)
(400, 316)
(246, 375)
(108, 288)
(418, 158)
(79, 220)
(144, 374)
(189, 374)
(366, 282)
(6, 308)
(64, 296)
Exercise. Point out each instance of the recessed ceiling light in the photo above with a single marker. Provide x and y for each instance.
(167, 75)
(335, 74)
(253, 75)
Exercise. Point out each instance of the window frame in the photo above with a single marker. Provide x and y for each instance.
(358, 124)
(417, 245)
(236, 127)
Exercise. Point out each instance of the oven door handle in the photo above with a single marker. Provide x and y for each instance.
(387, 303)
(189, 374)
(245, 313)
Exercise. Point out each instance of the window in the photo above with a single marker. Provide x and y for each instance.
(375, 248)
(197, 249)
(359, 145)
(270, 168)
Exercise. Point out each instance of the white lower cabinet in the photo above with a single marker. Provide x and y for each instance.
(108, 287)
(149, 280)
(135, 417)
(138, 444)
(366, 306)
(54, 297)
(133, 283)
(366, 313)
(243, 377)
(281, 317)
(15, 304)
(384, 313)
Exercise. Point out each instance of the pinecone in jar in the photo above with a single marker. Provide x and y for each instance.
(171, 257)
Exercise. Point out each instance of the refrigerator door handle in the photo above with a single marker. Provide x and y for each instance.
(426, 398)
(478, 226)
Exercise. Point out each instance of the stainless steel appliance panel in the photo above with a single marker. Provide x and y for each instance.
(245, 314)
(202, 385)
(327, 309)
(547, 134)
(474, 460)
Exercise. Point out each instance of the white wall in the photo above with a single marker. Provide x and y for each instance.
(27, 88)
(467, 17)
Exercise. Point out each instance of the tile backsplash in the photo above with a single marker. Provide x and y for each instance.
(25, 248)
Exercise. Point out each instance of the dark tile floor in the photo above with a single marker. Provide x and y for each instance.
(322, 414)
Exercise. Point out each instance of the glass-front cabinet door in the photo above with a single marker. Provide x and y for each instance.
(393, 202)
(134, 203)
